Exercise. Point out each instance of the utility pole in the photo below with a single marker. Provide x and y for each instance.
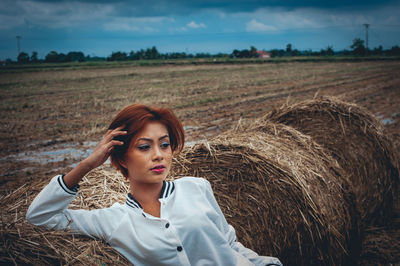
(366, 35)
(18, 44)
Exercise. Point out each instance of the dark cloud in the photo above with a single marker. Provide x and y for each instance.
(184, 7)
(251, 5)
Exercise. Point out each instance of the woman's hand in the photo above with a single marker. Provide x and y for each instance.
(104, 148)
(97, 158)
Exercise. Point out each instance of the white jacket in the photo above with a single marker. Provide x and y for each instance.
(191, 229)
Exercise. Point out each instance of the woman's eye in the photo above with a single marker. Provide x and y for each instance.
(164, 145)
(144, 147)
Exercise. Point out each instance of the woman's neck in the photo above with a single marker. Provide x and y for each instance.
(147, 195)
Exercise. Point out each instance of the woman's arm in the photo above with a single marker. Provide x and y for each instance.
(97, 158)
(230, 233)
(50, 207)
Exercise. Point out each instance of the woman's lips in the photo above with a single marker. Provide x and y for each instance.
(158, 169)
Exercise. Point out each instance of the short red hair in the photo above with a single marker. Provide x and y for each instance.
(134, 117)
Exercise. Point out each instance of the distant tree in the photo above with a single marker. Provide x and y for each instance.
(62, 57)
(176, 55)
(395, 50)
(344, 52)
(34, 57)
(133, 56)
(117, 56)
(329, 51)
(206, 55)
(52, 57)
(140, 55)
(295, 52)
(94, 58)
(148, 54)
(358, 47)
(253, 51)
(154, 53)
(277, 52)
(219, 55)
(23, 58)
(308, 52)
(289, 48)
(244, 53)
(235, 53)
(378, 50)
(75, 57)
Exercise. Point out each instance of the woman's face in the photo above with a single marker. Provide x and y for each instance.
(149, 156)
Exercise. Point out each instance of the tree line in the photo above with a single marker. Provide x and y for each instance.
(356, 49)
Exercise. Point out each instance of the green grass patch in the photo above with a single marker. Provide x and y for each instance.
(192, 61)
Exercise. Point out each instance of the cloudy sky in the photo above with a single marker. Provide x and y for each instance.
(99, 27)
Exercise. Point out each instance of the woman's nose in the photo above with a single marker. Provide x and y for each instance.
(157, 154)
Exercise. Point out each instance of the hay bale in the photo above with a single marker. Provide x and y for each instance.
(380, 246)
(356, 139)
(23, 243)
(281, 193)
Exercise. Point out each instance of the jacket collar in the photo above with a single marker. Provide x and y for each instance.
(166, 190)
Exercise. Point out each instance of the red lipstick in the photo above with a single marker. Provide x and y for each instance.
(159, 168)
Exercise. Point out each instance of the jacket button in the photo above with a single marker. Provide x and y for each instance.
(179, 248)
(166, 225)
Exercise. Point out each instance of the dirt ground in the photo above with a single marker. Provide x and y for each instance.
(52, 117)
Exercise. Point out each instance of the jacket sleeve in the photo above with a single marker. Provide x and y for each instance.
(230, 233)
(50, 209)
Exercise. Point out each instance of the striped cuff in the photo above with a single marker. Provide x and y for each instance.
(72, 191)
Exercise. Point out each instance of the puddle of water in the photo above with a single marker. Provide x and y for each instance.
(59, 152)
(63, 151)
(90, 143)
(388, 121)
(190, 127)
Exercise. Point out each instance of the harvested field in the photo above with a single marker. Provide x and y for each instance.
(52, 114)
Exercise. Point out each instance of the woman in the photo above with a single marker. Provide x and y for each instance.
(162, 222)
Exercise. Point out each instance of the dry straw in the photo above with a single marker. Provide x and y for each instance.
(279, 189)
(23, 243)
(356, 139)
(380, 246)
(281, 193)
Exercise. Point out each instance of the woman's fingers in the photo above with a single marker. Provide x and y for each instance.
(102, 152)
(104, 148)
(110, 134)
(114, 129)
(110, 146)
(113, 143)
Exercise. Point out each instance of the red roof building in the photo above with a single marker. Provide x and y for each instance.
(263, 54)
